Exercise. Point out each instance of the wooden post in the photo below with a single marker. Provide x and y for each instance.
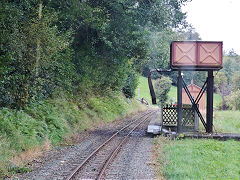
(179, 102)
(196, 120)
(210, 83)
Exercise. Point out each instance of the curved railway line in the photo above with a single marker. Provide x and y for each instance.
(95, 164)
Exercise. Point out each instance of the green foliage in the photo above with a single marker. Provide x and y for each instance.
(34, 55)
(131, 85)
(80, 46)
(217, 101)
(233, 100)
(172, 97)
(143, 91)
(227, 82)
(54, 119)
(223, 88)
(76, 48)
(109, 108)
(236, 80)
(190, 34)
(220, 79)
(162, 87)
(231, 69)
(230, 66)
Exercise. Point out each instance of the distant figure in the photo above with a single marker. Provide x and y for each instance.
(144, 101)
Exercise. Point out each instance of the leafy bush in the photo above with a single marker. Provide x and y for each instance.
(233, 100)
(130, 85)
(35, 56)
(236, 80)
(162, 87)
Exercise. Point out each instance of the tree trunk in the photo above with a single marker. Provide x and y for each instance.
(38, 41)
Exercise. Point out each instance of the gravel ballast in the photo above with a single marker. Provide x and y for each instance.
(132, 162)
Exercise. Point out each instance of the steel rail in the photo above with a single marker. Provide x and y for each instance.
(115, 152)
(101, 146)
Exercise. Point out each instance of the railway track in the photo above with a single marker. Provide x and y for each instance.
(95, 164)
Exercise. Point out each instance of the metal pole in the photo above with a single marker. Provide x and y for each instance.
(210, 83)
(179, 102)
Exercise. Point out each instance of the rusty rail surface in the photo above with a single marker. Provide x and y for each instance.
(114, 153)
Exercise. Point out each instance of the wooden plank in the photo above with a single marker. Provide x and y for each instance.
(219, 136)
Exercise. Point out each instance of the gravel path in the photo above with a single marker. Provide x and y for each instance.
(131, 163)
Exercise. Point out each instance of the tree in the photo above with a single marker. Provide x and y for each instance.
(223, 88)
(34, 53)
(233, 100)
(80, 46)
(162, 87)
(232, 53)
(236, 81)
(189, 34)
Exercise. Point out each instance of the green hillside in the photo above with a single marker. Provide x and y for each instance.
(142, 90)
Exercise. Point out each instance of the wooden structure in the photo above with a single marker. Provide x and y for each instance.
(193, 56)
(194, 90)
(196, 55)
(170, 117)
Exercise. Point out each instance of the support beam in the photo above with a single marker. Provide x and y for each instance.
(210, 84)
(179, 100)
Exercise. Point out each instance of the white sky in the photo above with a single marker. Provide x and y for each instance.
(216, 20)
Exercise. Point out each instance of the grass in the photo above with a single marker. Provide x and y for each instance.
(27, 133)
(217, 100)
(201, 158)
(227, 121)
(143, 91)
(198, 159)
(172, 94)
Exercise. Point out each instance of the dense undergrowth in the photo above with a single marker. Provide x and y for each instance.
(43, 124)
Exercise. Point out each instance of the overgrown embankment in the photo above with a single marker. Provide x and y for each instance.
(27, 133)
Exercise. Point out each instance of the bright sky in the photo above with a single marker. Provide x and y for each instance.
(216, 20)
